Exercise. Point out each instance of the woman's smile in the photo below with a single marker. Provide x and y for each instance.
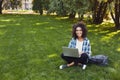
(79, 31)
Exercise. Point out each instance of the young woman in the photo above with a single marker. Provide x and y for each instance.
(79, 40)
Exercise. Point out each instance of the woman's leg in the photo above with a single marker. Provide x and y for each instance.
(75, 61)
(70, 60)
(83, 59)
(66, 58)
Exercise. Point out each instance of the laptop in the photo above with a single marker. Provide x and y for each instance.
(70, 52)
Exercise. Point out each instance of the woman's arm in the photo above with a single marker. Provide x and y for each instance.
(72, 43)
(87, 47)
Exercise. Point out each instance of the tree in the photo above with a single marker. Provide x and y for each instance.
(99, 11)
(1, 1)
(115, 12)
(38, 6)
(69, 7)
(46, 4)
(58, 7)
(77, 6)
(11, 4)
(14, 4)
(82, 7)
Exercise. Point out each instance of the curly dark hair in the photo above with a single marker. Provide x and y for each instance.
(82, 26)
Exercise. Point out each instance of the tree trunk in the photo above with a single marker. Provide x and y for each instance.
(116, 17)
(72, 15)
(117, 14)
(99, 12)
(41, 11)
(1, 1)
(81, 16)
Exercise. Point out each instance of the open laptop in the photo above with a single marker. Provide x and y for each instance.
(70, 52)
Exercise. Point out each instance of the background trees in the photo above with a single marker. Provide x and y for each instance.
(69, 7)
(7, 4)
(57, 6)
(14, 4)
(38, 6)
(115, 12)
(1, 1)
(98, 9)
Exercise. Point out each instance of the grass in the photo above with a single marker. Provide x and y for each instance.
(30, 48)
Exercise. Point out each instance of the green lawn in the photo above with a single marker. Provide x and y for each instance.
(30, 48)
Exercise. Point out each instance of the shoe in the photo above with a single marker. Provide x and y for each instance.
(84, 66)
(63, 66)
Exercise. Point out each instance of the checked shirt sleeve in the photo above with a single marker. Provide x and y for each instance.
(72, 43)
(87, 47)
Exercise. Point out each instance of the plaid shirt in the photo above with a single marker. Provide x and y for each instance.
(86, 47)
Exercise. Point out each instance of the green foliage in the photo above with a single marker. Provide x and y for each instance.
(67, 7)
(38, 6)
(30, 48)
(77, 5)
(46, 4)
(14, 4)
(57, 6)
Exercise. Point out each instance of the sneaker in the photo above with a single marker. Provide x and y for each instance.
(63, 66)
(84, 67)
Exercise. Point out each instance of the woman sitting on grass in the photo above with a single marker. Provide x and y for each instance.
(81, 42)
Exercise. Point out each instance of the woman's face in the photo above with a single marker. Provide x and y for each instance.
(79, 32)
